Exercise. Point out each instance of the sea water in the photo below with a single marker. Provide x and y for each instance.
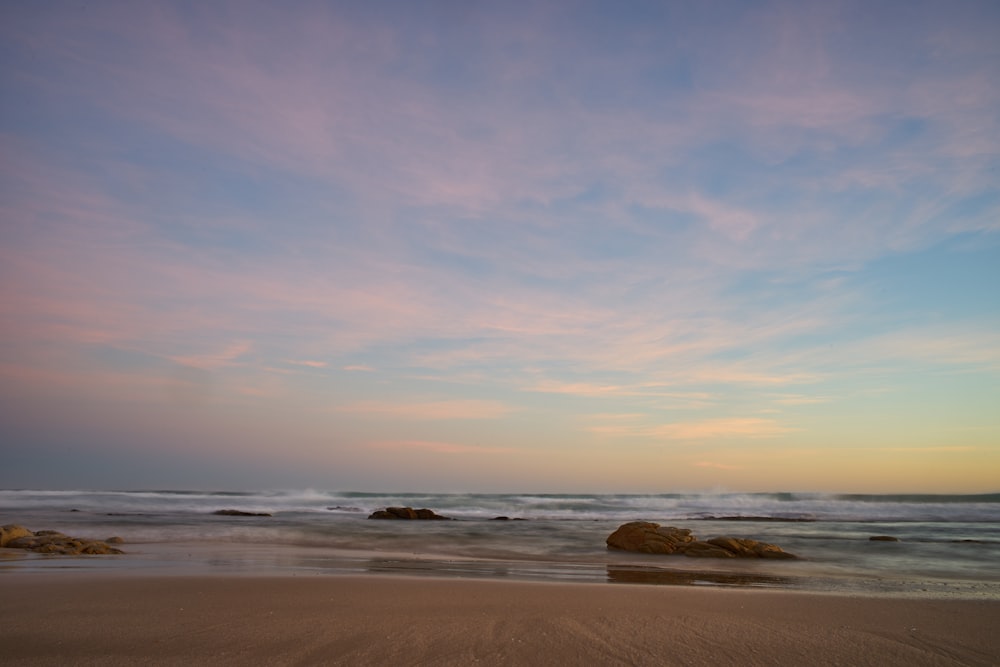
(947, 544)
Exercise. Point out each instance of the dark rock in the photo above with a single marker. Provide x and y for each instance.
(647, 537)
(239, 513)
(883, 538)
(407, 513)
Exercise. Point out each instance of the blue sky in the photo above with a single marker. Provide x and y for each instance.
(530, 246)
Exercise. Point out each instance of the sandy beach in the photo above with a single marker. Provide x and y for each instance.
(108, 618)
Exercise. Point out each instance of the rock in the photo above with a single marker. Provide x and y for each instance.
(53, 542)
(883, 538)
(115, 540)
(26, 542)
(239, 513)
(651, 538)
(707, 550)
(747, 548)
(12, 532)
(407, 513)
(97, 548)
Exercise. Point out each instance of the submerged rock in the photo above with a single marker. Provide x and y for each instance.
(54, 542)
(652, 538)
(407, 513)
(239, 513)
(883, 538)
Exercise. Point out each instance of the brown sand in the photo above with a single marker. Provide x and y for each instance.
(76, 618)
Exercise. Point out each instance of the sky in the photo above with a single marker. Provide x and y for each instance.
(638, 247)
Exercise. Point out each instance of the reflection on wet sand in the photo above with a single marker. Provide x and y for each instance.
(620, 575)
(436, 568)
(616, 574)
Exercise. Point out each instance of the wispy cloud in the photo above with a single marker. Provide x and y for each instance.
(439, 447)
(214, 360)
(591, 390)
(799, 399)
(724, 428)
(717, 466)
(430, 410)
(310, 363)
(942, 449)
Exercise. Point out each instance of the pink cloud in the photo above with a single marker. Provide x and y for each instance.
(748, 427)
(724, 428)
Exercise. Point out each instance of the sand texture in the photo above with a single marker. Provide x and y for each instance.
(83, 619)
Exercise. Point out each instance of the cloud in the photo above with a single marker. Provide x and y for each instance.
(723, 428)
(215, 360)
(307, 362)
(943, 449)
(748, 427)
(438, 447)
(718, 466)
(358, 368)
(429, 410)
(798, 399)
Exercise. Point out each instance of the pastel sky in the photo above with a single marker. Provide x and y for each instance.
(462, 246)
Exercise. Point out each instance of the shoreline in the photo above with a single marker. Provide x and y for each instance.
(100, 617)
(249, 560)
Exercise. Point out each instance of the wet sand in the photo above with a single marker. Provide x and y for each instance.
(106, 618)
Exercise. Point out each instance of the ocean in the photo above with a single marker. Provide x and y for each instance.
(948, 545)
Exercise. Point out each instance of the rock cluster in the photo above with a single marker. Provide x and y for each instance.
(407, 513)
(53, 542)
(651, 538)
